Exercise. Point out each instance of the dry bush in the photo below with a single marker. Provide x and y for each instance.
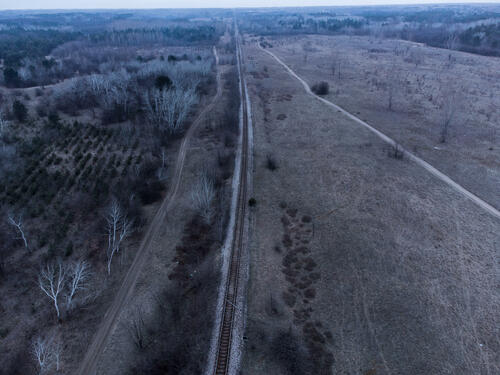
(321, 88)
(395, 151)
(182, 330)
(138, 330)
(286, 349)
(271, 162)
(202, 196)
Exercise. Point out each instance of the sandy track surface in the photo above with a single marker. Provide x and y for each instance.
(89, 363)
(481, 203)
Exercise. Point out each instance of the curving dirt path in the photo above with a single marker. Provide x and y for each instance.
(89, 363)
(481, 203)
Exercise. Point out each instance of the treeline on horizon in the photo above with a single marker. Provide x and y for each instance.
(31, 45)
(469, 28)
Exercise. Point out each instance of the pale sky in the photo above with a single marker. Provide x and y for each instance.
(141, 4)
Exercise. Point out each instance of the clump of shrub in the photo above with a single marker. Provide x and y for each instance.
(20, 111)
(271, 162)
(321, 88)
(69, 249)
(287, 350)
(396, 151)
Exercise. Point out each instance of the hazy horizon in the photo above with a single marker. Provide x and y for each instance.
(194, 4)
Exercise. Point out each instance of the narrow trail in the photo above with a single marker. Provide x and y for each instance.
(440, 175)
(98, 344)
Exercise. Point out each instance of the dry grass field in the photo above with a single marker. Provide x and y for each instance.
(407, 91)
(362, 263)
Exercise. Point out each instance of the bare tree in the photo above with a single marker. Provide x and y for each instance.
(391, 89)
(115, 90)
(42, 354)
(167, 109)
(119, 227)
(452, 41)
(449, 102)
(47, 353)
(56, 349)
(17, 222)
(394, 81)
(307, 47)
(51, 280)
(202, 197)
(161, 173)
(78, 275)
(336, 66)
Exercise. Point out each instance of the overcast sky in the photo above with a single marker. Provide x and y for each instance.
(95, 4)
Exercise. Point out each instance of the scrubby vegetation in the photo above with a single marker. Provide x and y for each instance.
(180, 328)
(82, 155)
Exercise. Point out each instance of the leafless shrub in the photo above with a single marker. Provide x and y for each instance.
(273, 307)
(395, 151)
(3, 124)
(137, 329)
(161, 172)
(415, 56)
(16, 221)
(220, 226)
(202, 196)
(286, 349)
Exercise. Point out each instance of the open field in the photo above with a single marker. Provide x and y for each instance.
(404, 90)
(361, 261)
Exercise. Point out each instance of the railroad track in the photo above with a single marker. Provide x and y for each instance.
(225, 338)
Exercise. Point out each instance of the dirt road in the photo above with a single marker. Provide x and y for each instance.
(89, 363)
(481, 203)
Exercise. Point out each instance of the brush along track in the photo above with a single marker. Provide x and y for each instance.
(231, 287)
(89, 363)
